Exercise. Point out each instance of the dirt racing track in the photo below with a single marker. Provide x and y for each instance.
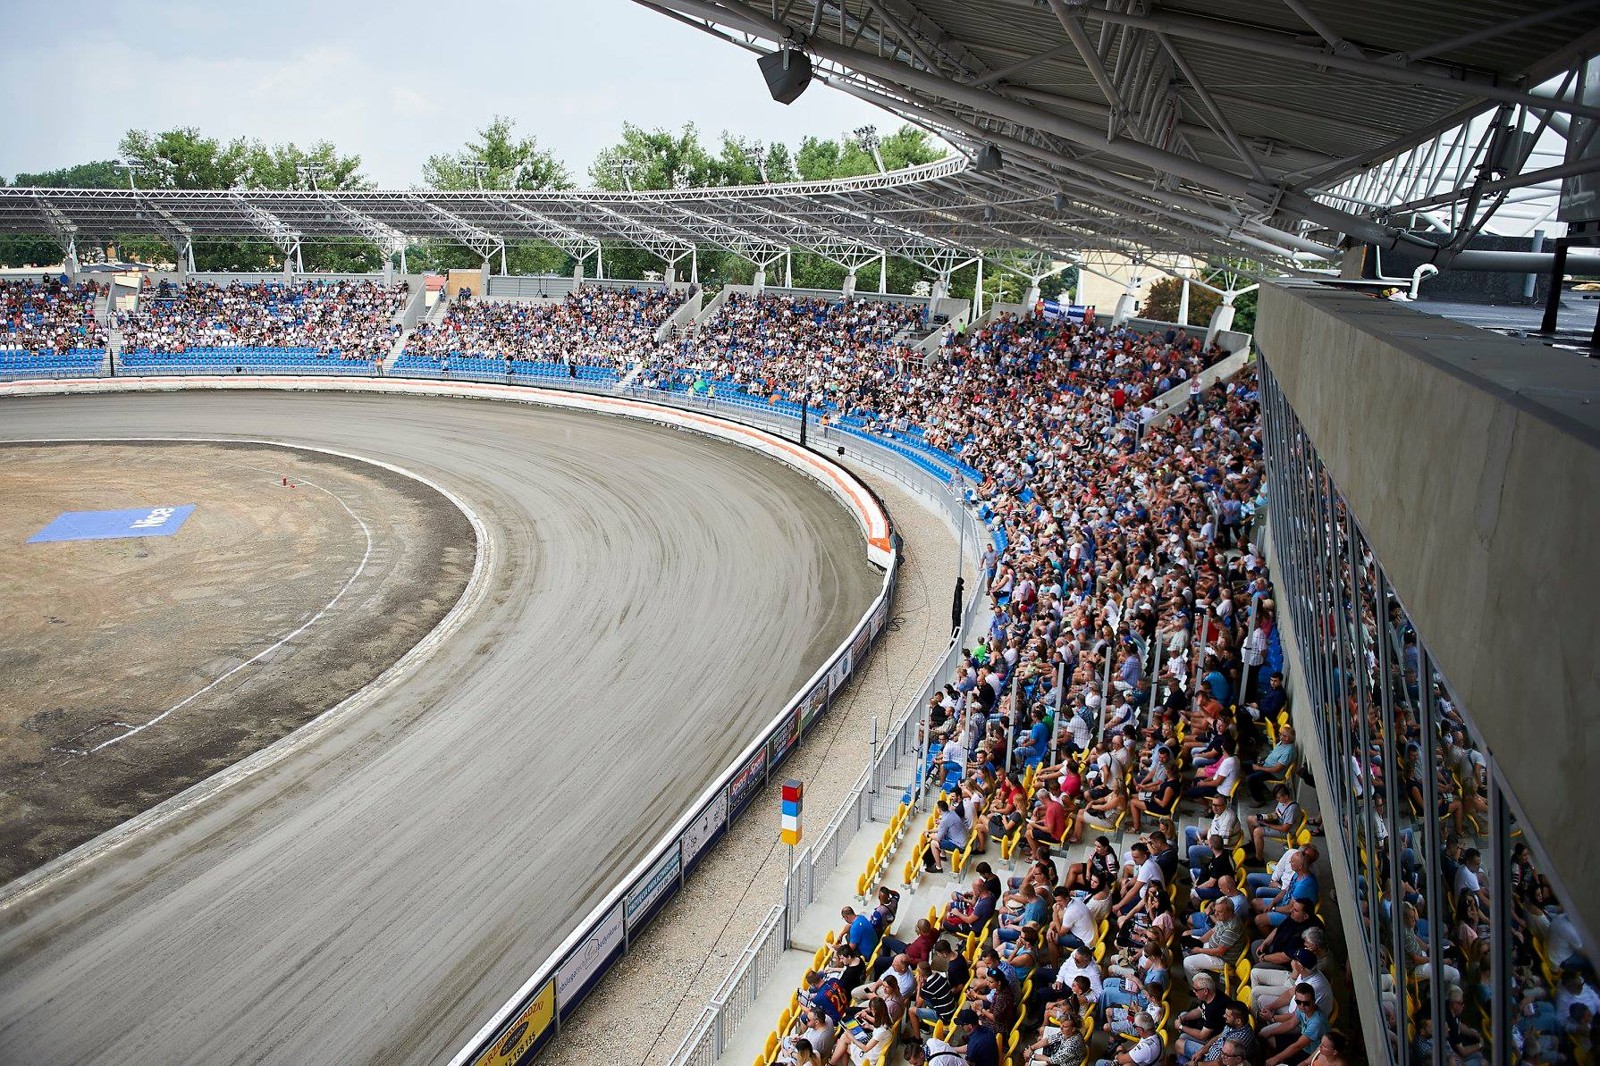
(373, 886)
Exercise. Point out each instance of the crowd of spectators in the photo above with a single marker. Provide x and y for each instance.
(340, 319)
(591, 326)
(778, 346)
(49, 316)
(1128, 687)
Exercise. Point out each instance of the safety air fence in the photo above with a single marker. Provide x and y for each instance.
(532, 1019)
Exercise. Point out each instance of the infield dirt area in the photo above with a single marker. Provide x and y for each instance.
(132, 668)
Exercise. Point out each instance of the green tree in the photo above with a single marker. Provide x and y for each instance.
(506, 162)
(509, 162)
(1165, 295)
(184, 159)
(102, 174)
(1062, 281)
(657, 159)
(288, 166)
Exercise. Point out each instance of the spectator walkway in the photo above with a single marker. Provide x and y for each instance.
(642, 1011)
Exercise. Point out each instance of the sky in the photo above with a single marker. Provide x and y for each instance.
(392, 82)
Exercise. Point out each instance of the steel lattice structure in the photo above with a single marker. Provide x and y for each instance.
(1265, 130)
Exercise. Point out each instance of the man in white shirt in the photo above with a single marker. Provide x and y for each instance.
(1077, 924)
(1224, 827)
(1146, 1049)
(1080, 964)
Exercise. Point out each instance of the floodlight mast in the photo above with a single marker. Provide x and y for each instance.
(311, 172)
(131, 168)
(627, 168)
(867, 137)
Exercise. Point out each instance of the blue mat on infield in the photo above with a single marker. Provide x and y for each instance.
(111, 525)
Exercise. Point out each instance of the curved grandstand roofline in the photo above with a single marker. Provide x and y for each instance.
(929, 213)
(1268, 131)
(1262, 117)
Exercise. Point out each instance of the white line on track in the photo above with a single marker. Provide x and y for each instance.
(263, 653)
(472, 596)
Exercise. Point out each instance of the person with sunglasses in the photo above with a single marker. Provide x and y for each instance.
(1292, 1039)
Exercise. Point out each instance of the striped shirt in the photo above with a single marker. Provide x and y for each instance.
(938, 996)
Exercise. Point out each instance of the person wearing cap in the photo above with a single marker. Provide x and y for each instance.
(978, 1040)
(1146, 1049)
(1302, 971)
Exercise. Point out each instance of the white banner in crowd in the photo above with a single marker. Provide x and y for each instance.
(1054, 310)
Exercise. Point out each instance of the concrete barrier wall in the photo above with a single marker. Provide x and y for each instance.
(1472, 463)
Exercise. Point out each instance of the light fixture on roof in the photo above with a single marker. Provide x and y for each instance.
(987, 160)
(988, 212)
(788, 72)
(1059, 201)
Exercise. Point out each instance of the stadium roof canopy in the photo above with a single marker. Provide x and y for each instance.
(1271, 130)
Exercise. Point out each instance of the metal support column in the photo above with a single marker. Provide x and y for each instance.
(1552, 299)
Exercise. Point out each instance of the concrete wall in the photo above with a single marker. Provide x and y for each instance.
(1472, 463)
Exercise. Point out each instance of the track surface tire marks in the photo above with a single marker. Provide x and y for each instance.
(100, 636)
(651, 599)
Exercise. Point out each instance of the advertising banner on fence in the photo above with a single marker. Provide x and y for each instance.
(815, 702)
(743, 788)
(879, 617)
(784, 740)
(858, 647)
(527, 1029)
(585, 965)
(704, 830)
(840, 672)
(643, 902)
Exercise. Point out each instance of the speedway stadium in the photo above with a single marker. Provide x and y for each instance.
(479, 667)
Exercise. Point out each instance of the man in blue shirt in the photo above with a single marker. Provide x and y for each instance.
(861, 933)
(980, 1045)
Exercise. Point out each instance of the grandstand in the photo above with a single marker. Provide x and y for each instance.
(49, 329)
(1268, 713)
(332, 326)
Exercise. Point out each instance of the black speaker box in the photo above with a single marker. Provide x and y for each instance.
(788, 72)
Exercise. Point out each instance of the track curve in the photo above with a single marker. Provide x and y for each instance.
(649, 600)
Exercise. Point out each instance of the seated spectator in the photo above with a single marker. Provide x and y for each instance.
(1276, 763)
(1293, 1039)
(867, 1037)
(1197, 1026)
(1283, 819)
(1064, 1047)
(1220, 946)
(813, 1028)
(352, 320)
(49, 317)
(1146, 1048)
(935, 999)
